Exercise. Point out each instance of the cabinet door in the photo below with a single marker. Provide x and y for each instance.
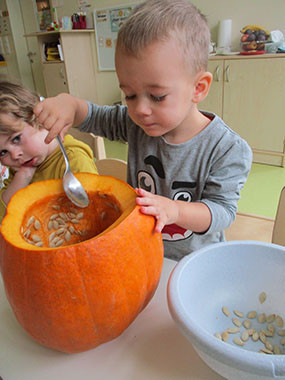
(214, 100)
(55, 78)
(254, 101)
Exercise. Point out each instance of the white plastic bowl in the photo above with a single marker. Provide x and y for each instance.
(231, 274)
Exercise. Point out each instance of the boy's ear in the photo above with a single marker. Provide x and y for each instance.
(202, 86)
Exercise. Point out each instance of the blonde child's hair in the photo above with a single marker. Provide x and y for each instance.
(18, 103)
(158, 20)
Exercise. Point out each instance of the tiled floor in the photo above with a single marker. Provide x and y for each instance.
(246, 227)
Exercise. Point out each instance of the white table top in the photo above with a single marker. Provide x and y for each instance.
(151, 348)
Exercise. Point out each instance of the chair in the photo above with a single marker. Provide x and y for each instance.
(278, 234)
(112, 167)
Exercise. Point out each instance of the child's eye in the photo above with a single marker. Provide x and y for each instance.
(130, 97)
(16, 139)
(158, 98)
(3, 152)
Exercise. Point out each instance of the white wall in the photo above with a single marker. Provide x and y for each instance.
(271, 15)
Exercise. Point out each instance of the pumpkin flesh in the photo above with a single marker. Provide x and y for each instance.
(75, 297)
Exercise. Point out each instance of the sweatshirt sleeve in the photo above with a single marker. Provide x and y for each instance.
(228, 176)
(111, 122)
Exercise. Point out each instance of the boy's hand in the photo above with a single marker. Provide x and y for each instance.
(24, 174)
(56, 114)
(165, 210)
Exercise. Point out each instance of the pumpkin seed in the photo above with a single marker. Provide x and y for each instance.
(262, 297)
(225, 310)
(56, 207)
(265, 351)
(271, 328)
(22, 229)
(268, 345)
(238, 341)
(245, 335)
(30, 221)
(255, 336)
(54, 216)
(270, 318)
(39, 244)
(218, 335)
(50, 225)
(27, 233)
(281, 332)
(247, 323)
(51, 236)
(277, 350)
(71, 229)
(80, 215)
(225, 336)
(239, 313)
(74, 221)
(37, 225)
(251, 314)
(59, 242)
(279, 321)
(262, 337)
(67, 236)
(102, 216)
(63, 216)
(251, 332)
(55, 224)
(36, 238)
(60, 231)
(282, 341)
(261, 318)
(232, 330)
(236, 322)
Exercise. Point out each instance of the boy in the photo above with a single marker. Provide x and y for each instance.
(187, 165)
(22, 146)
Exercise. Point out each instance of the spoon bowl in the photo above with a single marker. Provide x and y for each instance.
(72, 187)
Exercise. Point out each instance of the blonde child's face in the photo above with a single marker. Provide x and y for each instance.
(25, 147)
(158, 88)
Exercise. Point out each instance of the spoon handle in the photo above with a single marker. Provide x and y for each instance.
(63, 152)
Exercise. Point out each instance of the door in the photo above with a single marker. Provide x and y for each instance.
(18, 63)
(254, 99)
(31, 26)
(55, 78)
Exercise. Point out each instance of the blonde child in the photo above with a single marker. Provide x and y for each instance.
(188, 166)
(22, 145)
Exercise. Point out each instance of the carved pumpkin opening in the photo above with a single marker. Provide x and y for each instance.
(56, 222)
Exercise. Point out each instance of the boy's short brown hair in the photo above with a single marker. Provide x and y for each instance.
(158, 20)
(18, 103)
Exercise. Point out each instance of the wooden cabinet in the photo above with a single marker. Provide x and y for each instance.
(249, 94)
(75, 72)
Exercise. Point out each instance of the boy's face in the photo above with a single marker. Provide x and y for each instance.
(158, 89)
(23, 148)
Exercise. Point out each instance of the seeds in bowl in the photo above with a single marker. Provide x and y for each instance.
(268, 327)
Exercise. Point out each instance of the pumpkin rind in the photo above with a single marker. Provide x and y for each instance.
(77, 297)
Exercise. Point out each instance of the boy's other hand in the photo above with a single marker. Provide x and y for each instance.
(163, 209)
(56, 114)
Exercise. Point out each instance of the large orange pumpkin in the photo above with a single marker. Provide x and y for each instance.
(77, 294)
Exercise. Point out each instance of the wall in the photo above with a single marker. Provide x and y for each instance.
(242, 12)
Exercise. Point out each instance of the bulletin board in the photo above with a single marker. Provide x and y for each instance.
(107, 22)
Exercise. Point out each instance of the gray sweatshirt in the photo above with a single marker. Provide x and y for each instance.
(212, 167)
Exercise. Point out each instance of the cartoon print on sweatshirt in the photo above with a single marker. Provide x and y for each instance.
(181, 192)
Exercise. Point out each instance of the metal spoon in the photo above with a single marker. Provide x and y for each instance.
(72, 187)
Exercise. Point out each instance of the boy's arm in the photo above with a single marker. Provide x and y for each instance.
(194, 216)
(59, 113)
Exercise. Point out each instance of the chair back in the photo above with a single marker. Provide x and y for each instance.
(112, 167)
(278, 235)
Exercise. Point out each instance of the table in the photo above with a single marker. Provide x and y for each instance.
(152, 348)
